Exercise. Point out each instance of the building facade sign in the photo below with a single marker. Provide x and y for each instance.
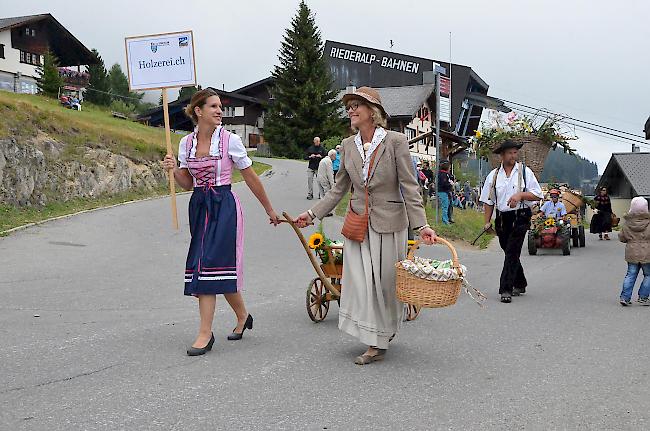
(359, 66)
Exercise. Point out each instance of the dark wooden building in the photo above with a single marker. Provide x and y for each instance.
(243, 112)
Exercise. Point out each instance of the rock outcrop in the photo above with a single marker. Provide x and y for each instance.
(43, 170)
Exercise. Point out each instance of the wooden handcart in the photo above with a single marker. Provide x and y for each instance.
(327, 286)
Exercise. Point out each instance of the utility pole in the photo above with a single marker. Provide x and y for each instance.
(438, 70)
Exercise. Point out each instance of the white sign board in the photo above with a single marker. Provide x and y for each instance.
(445, 109)
(160, 61)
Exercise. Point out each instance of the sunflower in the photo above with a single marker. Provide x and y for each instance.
(549, 222)
(315, 241)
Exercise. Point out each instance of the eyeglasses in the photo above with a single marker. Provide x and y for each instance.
(352, 106)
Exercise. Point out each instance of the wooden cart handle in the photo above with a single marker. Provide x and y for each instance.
(312, 259)
(454, 255)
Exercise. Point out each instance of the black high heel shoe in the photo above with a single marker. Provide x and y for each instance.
(248, 325)
(197, 351)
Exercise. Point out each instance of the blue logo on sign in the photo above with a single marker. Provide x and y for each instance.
(182, 41)
(154, 47)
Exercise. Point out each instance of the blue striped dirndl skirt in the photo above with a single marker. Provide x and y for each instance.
(212, 260)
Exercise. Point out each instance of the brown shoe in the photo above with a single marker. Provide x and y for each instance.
(368, 359)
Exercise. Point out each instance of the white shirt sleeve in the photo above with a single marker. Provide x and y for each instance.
(237, 152)
(182, 153)
(532, 185)
(487, 185)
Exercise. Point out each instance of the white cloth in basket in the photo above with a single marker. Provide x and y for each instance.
(431, 269)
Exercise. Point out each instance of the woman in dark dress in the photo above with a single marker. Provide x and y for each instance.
(601, 222)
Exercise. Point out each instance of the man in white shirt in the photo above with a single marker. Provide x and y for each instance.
(325, 176)
(514, 190)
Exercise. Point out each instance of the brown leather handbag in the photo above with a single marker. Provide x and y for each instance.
(355, 226)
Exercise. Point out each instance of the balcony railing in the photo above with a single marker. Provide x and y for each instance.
(72, 77)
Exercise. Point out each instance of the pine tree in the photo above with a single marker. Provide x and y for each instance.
(49, 81)
(118, 82)
(119, 85)
(187, 92)
(98, 86)
(304, 103)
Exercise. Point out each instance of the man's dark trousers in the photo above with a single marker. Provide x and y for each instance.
(511, 228)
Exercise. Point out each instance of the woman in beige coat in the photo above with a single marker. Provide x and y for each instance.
(636, 234)
(369, 308)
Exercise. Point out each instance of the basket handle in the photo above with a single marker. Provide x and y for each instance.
(454, 255)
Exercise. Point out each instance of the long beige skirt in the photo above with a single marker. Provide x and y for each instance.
(369, 308)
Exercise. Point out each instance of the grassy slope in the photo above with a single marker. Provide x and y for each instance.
(23, 116)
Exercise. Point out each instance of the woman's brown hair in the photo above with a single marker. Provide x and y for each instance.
(198, 99)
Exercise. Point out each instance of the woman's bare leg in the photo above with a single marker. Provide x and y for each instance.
(236, 302)
(207, 305)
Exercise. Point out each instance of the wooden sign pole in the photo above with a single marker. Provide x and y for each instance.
(168, 139)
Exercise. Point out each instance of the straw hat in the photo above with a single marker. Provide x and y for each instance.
(369, 95)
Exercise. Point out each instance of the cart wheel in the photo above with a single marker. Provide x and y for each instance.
(566, 247)
(574, 236)
(532, 247)
(412, 312)
(581, 235)
(317, 305)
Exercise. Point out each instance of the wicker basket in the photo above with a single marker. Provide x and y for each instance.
(533, 153)
(428, 293)
(572, 201)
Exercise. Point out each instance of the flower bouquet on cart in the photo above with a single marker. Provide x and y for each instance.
(329, 252)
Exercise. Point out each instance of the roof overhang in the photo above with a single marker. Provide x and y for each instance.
(67, 48)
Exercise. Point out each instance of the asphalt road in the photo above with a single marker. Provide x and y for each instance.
(94, 327)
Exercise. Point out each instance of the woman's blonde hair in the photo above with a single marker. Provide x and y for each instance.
(378, 117)
(198, 99)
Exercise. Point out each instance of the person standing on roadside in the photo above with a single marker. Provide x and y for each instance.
(444, 191)
(314, 155)
(337, 161)
(428, 173)
(635, 233)
(325, 175)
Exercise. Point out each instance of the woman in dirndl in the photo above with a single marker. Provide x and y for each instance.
(601, 221)
(379, 159)
(207, 157)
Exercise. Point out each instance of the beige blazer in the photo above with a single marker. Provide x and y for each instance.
(394, 200)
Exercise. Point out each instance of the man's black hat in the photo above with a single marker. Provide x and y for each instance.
(508, 143)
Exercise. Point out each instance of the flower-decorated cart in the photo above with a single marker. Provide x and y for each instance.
(326, 256)
(549, 233)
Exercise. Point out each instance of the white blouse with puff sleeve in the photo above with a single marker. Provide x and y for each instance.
(236, 150)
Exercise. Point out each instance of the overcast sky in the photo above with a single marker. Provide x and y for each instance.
(585, 58)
